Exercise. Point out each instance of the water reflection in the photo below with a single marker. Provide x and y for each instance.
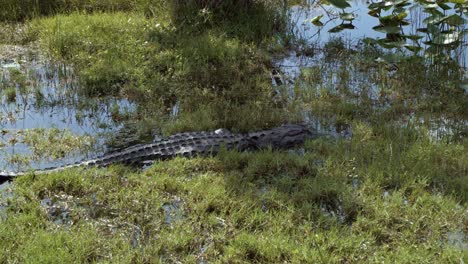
(411, 25)
(38, 94)
(361, 72)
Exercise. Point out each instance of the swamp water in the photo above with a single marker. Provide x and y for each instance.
(40, 99)
(351, 51)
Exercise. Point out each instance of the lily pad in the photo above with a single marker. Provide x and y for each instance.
(347, 16)
(413, 48)
(316, 21)
(454, 20)
(446, 38)
(387, 29)
(339, 3)
(341, 27)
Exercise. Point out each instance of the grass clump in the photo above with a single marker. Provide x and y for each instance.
(105, 49)
(160, 66)
(250, 20)
(13, 10)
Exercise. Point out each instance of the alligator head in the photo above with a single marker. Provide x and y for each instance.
(285, 136)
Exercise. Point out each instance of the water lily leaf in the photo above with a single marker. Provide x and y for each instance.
(430, 5)
(422, 30)
(341, 27)
(369, 41)
(404, 23)
(374, 12)
(433, 11)
(444, 6)
(457, 1)
(399, 9)
(433, 29)
(396, 44)
(390, 44)
(393, 20)
(446, 38)
(339, 3)
(434, 19)
(412, 37)
(454, 20)
(347, 16)
(379, 5)
(316, 21)
(387, 29)
(402, 3)
(401, 15)
(413, 48)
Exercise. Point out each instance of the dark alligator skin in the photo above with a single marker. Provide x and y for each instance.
(189, 145)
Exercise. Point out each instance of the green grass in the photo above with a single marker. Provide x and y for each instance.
(253, 207)
(390, 193)
(157, 65)
(106, 49)
(13, 10)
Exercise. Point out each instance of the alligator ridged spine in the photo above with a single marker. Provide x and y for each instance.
(191, 144)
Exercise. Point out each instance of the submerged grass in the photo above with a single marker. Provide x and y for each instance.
(356, 200)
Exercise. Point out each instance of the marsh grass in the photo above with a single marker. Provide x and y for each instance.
(249, 20)
(390, 193)
(265, 206)
(104, 49)
(157, 65)
(13, 10)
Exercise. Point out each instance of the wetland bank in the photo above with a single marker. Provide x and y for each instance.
(79, 78)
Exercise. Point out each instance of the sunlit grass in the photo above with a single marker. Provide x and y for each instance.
(347, 200)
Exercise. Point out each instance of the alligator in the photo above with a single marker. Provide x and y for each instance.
(190, 144)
